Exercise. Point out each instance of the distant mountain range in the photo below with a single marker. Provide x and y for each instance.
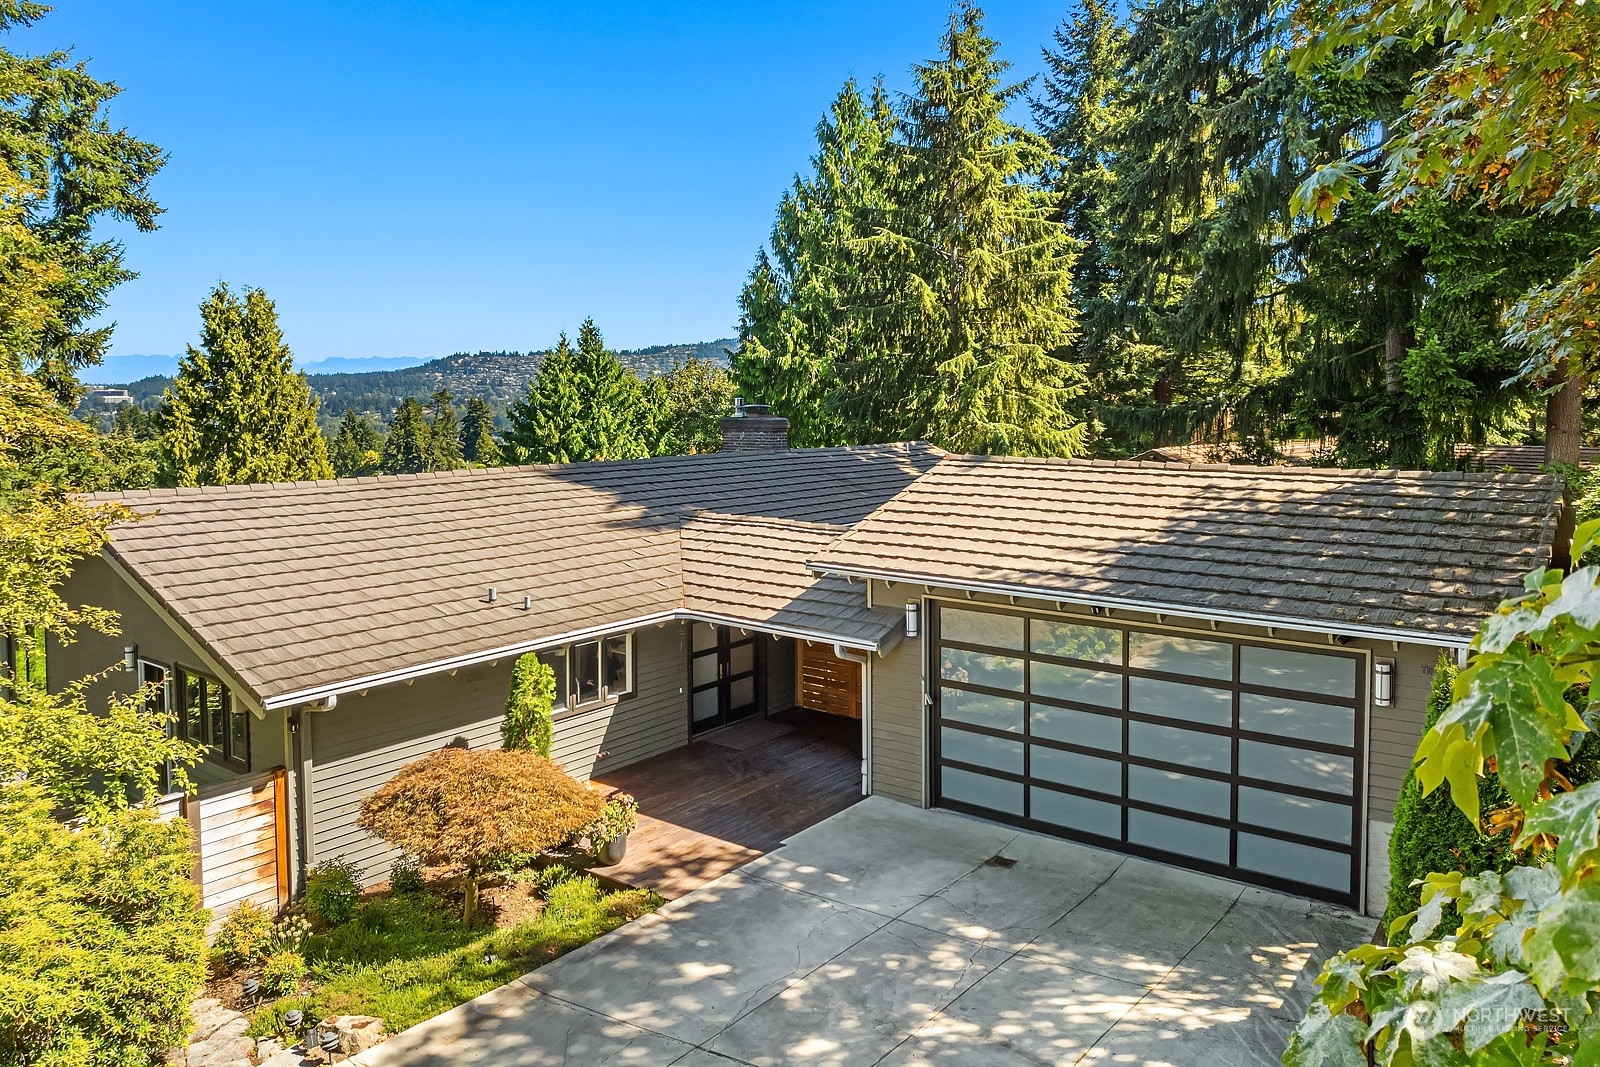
(119, 370)
(377, 386)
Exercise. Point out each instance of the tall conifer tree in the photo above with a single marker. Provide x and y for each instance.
(357, 447)
(408, 449)
(444, 432)
(478, 444)
(237, 411)
(545, 425)
(976, 303)
(611, 398)
(798, 313)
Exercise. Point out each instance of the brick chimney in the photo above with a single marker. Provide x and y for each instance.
(753, 428)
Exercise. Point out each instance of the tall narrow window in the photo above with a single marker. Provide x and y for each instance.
(556, 660)
(618, 665)
(586, 672)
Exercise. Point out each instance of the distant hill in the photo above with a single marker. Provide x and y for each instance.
(498, 377)
(119, 370)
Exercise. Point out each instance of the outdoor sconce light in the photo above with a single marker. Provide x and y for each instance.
(1383, 683)
(130, 658)
(913, 619)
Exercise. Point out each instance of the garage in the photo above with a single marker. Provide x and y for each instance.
(1233, 757)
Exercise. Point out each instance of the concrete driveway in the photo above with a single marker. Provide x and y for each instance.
(882, 936)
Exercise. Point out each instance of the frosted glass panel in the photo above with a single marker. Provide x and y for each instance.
(705, 669)
(1296, 862)
(981, 628)
(1170, 744)
(1175, 700)
(1296, 766)
(1297, 815)
(1303, 672)
(1073, 641)
(1078, 684)
(1179, 836)
(982, 668)
(981, 709)
(1183, 791)
(1076, 727)
(986, 751)
(1300, 720)
(742, 693)
(1180, 655)
(994, 793)
(1074, 768)
(1075, 812)
(741, 659)
(705, 705)
(705, 636)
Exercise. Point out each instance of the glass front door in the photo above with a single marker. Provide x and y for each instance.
(722, 674)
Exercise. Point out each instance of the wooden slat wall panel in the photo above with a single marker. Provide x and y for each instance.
(828, 683)
(239, 835)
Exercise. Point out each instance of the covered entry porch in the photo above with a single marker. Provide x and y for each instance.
(735, 794)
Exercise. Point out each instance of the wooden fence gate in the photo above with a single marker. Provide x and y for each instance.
(828, 683)
(241, 842)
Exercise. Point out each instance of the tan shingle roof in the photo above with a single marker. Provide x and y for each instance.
(1369, 550)
(755, 569)
(311, 585)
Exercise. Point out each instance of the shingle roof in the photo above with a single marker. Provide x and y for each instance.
(755, 569)
(316, 584)
(1425, 553)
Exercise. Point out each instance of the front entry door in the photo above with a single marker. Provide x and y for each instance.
(722, 672)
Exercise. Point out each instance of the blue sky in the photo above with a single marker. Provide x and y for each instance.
(412, 179)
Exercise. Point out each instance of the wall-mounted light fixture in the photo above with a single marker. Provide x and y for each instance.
(913, 619)
(1383, 682)
(130, 658)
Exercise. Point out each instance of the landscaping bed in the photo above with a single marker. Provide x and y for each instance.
(405, 954)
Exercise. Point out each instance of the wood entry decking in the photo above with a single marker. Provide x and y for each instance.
(722, 800)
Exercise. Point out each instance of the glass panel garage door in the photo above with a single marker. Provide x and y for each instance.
(1236, 758)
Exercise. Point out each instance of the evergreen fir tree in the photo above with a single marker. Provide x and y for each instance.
(977, 301)
(237, 411)
(478, 444)
(546, 424)
(444, 433)
(357, 447)
(798, 312)
(611, 397)
(408, 449)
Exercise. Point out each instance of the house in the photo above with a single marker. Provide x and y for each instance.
(1224, 668)
(1527, 459)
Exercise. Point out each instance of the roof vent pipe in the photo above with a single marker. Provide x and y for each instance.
(738, 407)
(494, 594)
(527, 603)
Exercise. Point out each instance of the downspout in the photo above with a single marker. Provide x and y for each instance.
(304, 767)
(851, 656)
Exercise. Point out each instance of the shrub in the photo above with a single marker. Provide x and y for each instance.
(571, 898)
(547, 878)
(282, 973)
(405, 875)
(530, 717)
(332, 891)
(102, 937)
(465, 809)
(1432, 836)
(620, 816)
(246, 935)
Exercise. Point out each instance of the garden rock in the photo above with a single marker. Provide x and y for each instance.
(357, 1033)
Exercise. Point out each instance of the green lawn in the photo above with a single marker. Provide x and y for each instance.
(408, 957)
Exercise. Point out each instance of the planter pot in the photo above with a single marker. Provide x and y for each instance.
(613, 851)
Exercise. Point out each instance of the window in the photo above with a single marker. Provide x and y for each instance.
(591, 672)
(157, 702)
(210, 716)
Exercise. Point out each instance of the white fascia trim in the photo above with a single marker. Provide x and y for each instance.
(1433, 640)
(471, 659)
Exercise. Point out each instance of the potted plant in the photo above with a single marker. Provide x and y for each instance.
(608, 835)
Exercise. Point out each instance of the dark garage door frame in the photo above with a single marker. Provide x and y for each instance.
(978, 735)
